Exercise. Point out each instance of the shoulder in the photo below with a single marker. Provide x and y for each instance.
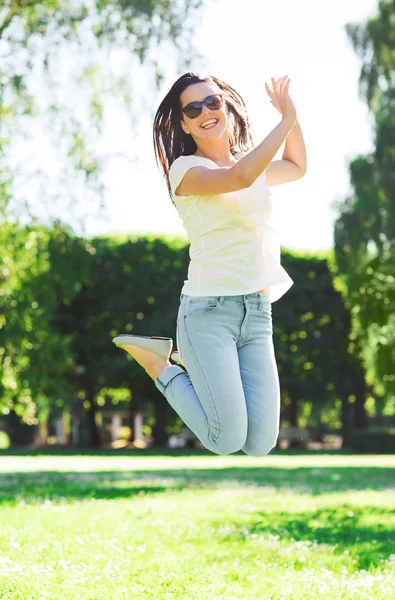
(181, 165)
(184, 161)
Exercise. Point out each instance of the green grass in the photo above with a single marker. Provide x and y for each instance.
(114, 526)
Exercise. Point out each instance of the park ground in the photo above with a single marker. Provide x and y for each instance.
(196, 526)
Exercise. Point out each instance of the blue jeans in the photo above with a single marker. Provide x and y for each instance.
(229, 395)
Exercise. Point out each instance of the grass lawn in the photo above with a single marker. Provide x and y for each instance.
(196, 526)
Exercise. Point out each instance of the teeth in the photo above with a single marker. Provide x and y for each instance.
(207, 123)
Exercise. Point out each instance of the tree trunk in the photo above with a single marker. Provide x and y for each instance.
(20, 433)
(293, 420)
(160, 437)
(131, 412)
(94, 433)
(293, 411)
(360, 419)
(346, 421)
(76, 422)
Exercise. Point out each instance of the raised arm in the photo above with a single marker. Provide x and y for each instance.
(204, 181)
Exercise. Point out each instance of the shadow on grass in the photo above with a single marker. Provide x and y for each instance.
(359, 531)
(37, 486)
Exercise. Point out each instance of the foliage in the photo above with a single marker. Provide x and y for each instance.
(34, 358)
(310, 338)
(58, 70)
(65, 298)
(133, 287)
(364, 258)
(39, 368)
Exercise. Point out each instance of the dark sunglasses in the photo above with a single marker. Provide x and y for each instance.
(194, 109)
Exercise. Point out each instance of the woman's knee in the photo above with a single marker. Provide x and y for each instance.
(260, 447)
(229, 444)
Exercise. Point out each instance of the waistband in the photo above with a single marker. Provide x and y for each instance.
(254, 298)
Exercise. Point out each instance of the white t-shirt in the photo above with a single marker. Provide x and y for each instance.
(234, 245)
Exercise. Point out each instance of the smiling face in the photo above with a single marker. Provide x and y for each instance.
(199, 127)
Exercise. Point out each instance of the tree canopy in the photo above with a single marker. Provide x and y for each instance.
(364, 265)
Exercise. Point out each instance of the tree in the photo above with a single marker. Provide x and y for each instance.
(67, 49)
(364, 258)
(311, 331)
(132, 286)
(34, 359)
(38, 39)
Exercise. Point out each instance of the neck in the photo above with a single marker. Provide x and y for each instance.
(217, 152)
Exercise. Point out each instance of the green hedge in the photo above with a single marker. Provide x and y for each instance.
(373, 440)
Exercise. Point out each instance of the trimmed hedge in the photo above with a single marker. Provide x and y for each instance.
(373, 440)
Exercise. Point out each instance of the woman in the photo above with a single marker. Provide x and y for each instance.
(229, 395)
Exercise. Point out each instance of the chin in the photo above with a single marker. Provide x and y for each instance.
(217, 132)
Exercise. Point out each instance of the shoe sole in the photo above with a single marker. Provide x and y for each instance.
(177, 359)
(161, 348)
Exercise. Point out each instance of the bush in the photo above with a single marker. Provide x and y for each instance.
(373, 440)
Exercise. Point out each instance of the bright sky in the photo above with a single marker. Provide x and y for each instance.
(246, 43)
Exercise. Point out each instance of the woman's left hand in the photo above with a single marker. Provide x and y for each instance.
(273, 93)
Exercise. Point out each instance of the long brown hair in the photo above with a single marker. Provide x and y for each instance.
(170, 141)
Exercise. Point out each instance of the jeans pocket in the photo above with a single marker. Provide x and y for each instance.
(201, 304)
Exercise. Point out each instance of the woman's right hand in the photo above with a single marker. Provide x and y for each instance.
(280, 98)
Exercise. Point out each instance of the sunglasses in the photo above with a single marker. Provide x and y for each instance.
(194, 109)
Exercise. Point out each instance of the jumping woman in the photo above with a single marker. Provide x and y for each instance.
(229, 392)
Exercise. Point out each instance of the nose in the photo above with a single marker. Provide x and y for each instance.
(205, 110)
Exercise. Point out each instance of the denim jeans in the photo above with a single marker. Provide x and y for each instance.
(229, 395)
